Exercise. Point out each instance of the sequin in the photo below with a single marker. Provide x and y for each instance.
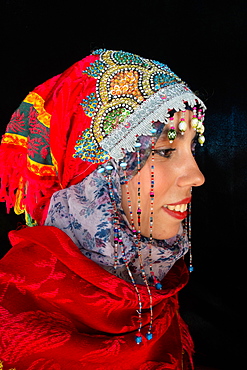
(160, 80)
(89, 104)
(95, 69)
(89, 151)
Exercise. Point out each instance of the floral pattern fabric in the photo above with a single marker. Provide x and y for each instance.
(86, 214)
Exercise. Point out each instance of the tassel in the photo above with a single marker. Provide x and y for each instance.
(19, 187)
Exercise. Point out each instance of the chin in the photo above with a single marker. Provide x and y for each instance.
(166, 234)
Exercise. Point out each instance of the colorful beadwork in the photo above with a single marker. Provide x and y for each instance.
(88, 150)
(89, 104)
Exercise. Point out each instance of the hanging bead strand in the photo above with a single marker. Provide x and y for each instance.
(194, 120)
(144, 276)
(172, 133)
(200, 128)
(109, 169)
(138, 337)
(182, 126)
(187, 229)
(191, 268)
(137, 146)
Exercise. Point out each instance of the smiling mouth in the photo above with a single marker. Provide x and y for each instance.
(178, 211)
(177, 208)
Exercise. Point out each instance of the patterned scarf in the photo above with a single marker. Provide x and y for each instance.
(86, 214)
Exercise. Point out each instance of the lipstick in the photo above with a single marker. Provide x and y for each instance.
(178, 209)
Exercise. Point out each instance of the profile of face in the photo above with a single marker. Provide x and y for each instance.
(175, 173)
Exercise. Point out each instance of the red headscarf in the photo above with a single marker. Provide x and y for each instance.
(53, 140)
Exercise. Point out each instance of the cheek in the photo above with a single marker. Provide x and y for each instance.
(163, 180)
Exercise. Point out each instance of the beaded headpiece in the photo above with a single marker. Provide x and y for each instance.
(131, 93)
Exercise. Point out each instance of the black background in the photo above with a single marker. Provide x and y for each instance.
(204, 42)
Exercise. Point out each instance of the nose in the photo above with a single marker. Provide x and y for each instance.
(190, 174)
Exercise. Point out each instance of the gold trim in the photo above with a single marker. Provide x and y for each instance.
(2, 368)
(41, 169)
(38, 103)
(18, 208)
(14, 139)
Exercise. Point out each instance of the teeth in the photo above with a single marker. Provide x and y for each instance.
(177, 208)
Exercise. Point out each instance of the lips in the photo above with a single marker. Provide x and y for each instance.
(179, 209)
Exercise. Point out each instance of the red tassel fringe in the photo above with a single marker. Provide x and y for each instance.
(14, 174)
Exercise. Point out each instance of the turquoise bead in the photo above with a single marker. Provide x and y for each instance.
(149, 336)
(158, 286)
(138, 339)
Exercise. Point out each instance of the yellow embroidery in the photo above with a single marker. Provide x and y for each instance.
(2, 368)
(14, 139)
(40, 169)
(54, 161)
(18, 207)
(38, 104)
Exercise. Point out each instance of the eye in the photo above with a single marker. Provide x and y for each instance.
(166, 153)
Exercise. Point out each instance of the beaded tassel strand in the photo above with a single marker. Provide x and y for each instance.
(188, 227)
(138, 337)
(144, 277)
(118, 242)
(155, 281)
(109, 168)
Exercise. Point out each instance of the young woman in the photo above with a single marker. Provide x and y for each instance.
(100, 160)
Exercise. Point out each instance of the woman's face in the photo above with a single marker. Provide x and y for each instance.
(175, 173)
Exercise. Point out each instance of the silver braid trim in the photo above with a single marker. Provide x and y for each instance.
(153, 109)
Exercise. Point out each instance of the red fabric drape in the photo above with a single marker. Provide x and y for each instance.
(59, 310)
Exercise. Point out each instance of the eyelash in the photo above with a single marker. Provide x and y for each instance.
(166, 153)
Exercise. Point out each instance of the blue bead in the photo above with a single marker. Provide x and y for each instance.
(149, 336)
(101, 169)
(138, 339)
(191, 268)
(109, 167)
(158, 286)
(123, 164)
(137, 145)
